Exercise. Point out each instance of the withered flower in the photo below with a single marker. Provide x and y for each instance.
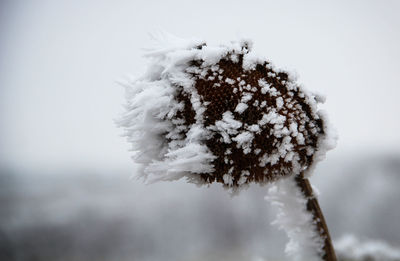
(223, 114)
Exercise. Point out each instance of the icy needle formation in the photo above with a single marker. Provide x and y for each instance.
(222, 114)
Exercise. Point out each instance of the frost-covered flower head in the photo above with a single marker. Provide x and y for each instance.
(221, 114)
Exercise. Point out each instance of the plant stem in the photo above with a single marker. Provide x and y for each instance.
(314, 208)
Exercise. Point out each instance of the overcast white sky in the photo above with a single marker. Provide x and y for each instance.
(59, 61)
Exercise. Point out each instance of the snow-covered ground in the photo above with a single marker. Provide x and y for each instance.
(103, 215)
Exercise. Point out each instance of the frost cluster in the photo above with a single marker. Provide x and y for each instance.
(194, 115)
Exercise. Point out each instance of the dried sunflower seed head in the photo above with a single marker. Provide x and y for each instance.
(222, 114)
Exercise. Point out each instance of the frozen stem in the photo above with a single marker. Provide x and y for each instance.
(300, 216)
(318, 218)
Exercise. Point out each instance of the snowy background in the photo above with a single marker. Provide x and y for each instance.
(65, 191)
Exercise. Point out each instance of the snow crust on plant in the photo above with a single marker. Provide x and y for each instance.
(150, 109)
(154, 131)
(149, 113)
(351, 248)
(305, 243)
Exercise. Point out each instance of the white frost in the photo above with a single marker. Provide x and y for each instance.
(241, 107)
(279, 102)
(229, 81)
(244, 141)
(227, 127)
(293, 217)
(228, 179)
